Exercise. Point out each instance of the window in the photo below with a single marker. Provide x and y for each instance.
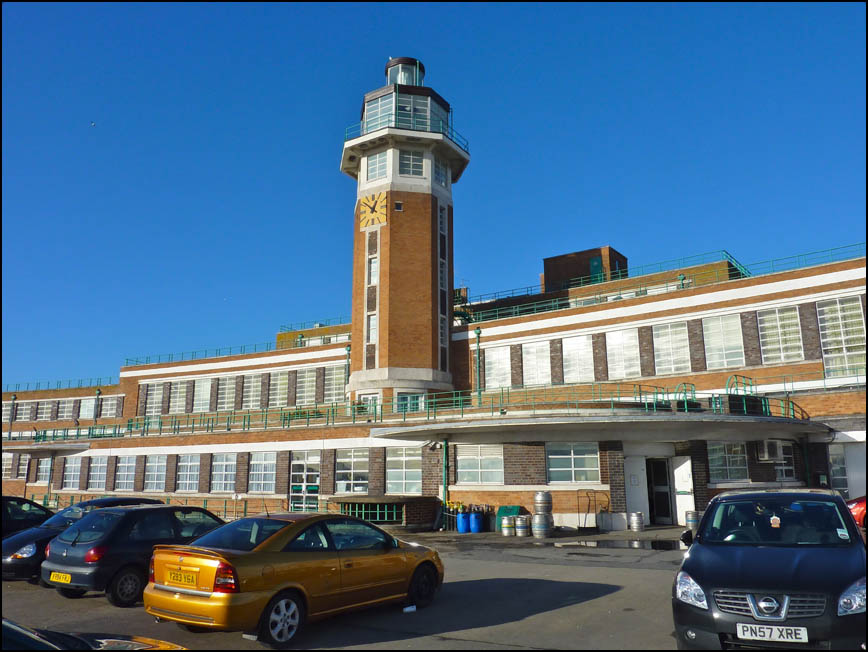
(444, 274)
(23, 463)
(727, 461)
(479, 464)
(43, 412)
(304, 481)
(334, 384)
(202, 395)
(305, 387)
(404, 470)
(376, 166)
(498, 371)
(225, 394)
(780, 335)
(838, 469)
(372, 329)
(153, 399)
(351, 470)
(195, 522)
(7, 465)
(671, 349)
(71, 472)
(353, 535)
(378, 112)
(251, 392)
(536, 363)
(412, 112)
(568, 462)
(87, 408)
(786, 470)
(7, 412)
(22, 411)
(43, 470)
(155, 473)
(373, 270)
(96, 473)
(410, 163)
(440, 172)
(622, 353)
(223, 472)
(108, 407)
(578, 359)
(178, 397)
(125, 473)
(263, 467)
(842, 336)
(723, 343)
(64, 410)
(188, 472)
(441, 222)
(409, 402)
(278, 387)
(312, 539)
(399, 206)
(439, 118)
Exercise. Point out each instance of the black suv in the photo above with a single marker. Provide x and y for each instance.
(110, 549)
(24, 551)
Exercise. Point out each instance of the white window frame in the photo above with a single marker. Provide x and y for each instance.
(108, 407)
(404, 471)
(226, 394)
(411, 163)
(154, 400)
(838, 469)
(842, 336)
(334, 391)
(155, 473)
(262, 473)
(22, 410)
(578, 356)
(178, 397)
(786, 470)
(71, 473)
(64, 410)
(724, 344)
(7, 466)
(23, 461)
(96, 472)
(125, 473)
(671, 349)
(441, 172)
(353, 478)
(87, 408)
(305, 387)
(536, 363)
(622, 354)
(7, 411)
(278, 387)
(251, 392)
(187, 477)
(780, 335)
(43, 411)
(372, 330)
(223, 467)
(202, 395)
(43, 470)
(479, 464)
(373, 270)
(498, 367)
(574, 462)
(730, 470)
(376, 168)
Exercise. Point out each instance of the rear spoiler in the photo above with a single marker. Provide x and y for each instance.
(204, 552)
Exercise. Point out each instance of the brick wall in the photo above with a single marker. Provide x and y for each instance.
(696, 342)
(172, 471)
(57, 473)
(601, 363)
(758, 471)
(111, 468)
(818, 462)
(432, 471)
(281, 474)
(205, 471)
(82, 477)
(327, 471)
(646, 351)
(516, 366)
(556, 351)
(810, 328)
(139, 477)
(750, 339)
(617, 489)
(376, 471)
(524, 463)
(242, 472)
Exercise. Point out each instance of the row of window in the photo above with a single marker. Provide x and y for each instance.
(727, 462)
(88, 409)
(842, 338)
(410, 163)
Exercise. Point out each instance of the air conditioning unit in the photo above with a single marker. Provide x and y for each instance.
(769, 450)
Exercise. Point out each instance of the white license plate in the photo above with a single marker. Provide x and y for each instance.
(772, 633)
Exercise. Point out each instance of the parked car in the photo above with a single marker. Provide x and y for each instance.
(24, 551)
(268, 575)
(857, 509)
(772, 568)
(18, 637)
(20, 514)
(109, 549)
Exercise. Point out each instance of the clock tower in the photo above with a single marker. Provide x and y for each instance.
(405, 156)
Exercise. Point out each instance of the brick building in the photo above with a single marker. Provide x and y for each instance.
(617, 389)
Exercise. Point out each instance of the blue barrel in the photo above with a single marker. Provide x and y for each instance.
(463, 523)
(476, 522)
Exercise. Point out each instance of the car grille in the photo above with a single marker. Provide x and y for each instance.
(801, 605)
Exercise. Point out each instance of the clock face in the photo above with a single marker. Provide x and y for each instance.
(372, 210)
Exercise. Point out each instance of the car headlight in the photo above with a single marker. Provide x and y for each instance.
(690, 592)
(30, 549)
(852, 601)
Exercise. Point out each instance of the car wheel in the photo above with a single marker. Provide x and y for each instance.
(282, 619)
(126, 588)
(422, 586)
(71, 593)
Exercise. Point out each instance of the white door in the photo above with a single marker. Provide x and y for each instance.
(682, 470)
(636, 486)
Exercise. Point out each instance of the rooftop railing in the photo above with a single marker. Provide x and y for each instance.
(407, 121)
(302, 325)
(98, 381)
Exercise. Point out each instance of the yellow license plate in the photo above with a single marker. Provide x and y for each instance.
(63, 578)
(188, 579)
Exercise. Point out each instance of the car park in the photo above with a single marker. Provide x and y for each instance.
(24, 551)
(21, 514)
(772, 568)
(267, 575)
(109, 549)
(18, 637)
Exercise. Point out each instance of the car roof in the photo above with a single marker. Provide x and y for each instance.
(118, 501)
(790, 493)
(125, 509)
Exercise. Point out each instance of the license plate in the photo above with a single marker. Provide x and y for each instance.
(772, 633)
(188, 579)
(63, 578)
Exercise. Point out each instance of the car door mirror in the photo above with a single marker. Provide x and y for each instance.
(687, 537)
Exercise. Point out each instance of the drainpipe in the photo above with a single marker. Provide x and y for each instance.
(445, 475)
(478, 333)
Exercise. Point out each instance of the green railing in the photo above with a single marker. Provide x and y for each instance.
(409, 121)
(99, 381)
(302, 325)
(738, 384)
(392, 513)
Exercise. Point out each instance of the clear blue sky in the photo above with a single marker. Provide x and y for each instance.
(206, 206)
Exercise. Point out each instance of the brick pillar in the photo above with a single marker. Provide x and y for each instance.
(76, 408)
(34, 408)
(327, 472)
(810, 327)
(432, 471)
(376, 471)
(212, 400)
(319, 396)
(481, 367)
(119, 410)
(758, 471)
(142, 400)
(167, 393)
(188, 396)
(696, 342)
(524, 463)
(515, 366)
(242, 472)
(263, 390)
(57, 473)
(32, 470)
(291, 387)
(111, 467)
(85, 469)
(646, 351)
(171, 473)
(617, 489)
(139, 475)
(204, 473)
(750, 337)
(281, 473)
(556, 353)
(239, 391)
(55, 408)
(601, 360)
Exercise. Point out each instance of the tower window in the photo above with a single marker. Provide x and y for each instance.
(372, 329)
(440, 172)
(410, 163)
(376, 166)
(399, 206)
(373, 271)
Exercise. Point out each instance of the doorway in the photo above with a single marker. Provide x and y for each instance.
(659, 491)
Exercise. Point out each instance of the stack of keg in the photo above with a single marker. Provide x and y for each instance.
(542, 523)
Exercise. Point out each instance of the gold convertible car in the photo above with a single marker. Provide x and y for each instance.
(266, 575)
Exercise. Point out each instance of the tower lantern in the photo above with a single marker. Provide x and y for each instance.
(405, 156)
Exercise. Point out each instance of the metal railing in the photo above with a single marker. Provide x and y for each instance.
(407, 121)
(316, 323)
(99, 381)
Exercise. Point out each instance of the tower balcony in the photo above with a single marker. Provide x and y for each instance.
(408, 122)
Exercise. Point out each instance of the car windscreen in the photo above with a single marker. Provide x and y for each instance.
(64, 518)
(776, 520)
(92, 527)
(243, 534)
